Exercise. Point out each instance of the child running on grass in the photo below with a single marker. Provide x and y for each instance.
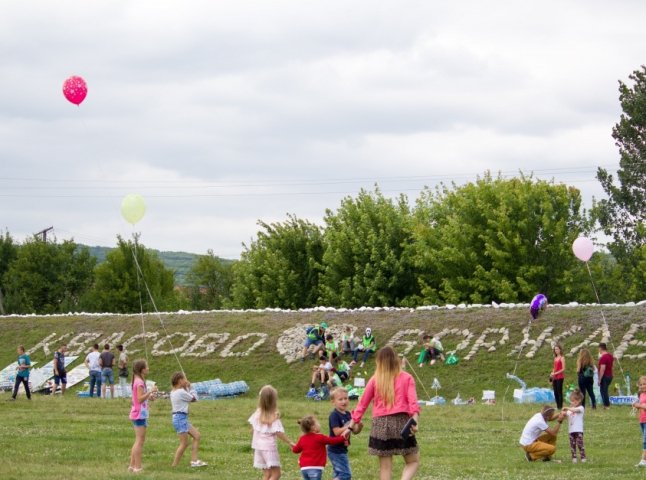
(180, 398)
(338, 421)
(266, 426)
(574, 415)
(640, 405)
(139, 412)
(311, 446)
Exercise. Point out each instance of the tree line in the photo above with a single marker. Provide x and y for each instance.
(493, 239)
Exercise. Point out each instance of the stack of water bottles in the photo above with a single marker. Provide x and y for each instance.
(215, 389)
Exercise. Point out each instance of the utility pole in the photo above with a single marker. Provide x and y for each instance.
(43, 233)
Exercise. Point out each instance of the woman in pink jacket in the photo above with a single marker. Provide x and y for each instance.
(394, 398)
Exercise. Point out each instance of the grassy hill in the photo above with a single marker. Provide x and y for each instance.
(63, 435)
(484, 370)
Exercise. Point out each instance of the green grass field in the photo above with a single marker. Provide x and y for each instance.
(70, 438)
(81, 438)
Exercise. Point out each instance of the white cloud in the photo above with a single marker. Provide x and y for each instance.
(223, 113)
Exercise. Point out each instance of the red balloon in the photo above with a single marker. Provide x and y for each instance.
(75, 89)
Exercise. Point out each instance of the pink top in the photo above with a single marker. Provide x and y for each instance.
(405, 399)
(139, 410)
(642, 412)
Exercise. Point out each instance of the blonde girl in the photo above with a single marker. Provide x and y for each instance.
(394, 401)
(557, 376)
(640, 404)
(266, 425)
(585, 376)
(139, 412)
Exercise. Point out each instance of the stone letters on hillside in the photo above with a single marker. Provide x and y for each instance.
(464, 342)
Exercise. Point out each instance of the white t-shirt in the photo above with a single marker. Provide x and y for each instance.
(179, 400)
(93, 361)
(575, 420)
(533, 429)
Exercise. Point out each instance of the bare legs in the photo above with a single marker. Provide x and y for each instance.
(410, 467)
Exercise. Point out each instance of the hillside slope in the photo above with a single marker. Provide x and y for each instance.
(259, 347)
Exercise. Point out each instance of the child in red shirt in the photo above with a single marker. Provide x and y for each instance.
(311, 446)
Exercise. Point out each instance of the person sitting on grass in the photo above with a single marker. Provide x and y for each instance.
(347, 341)
(340, 372)
(320, 374)
(316, 337)
(538, 439)
(368, 345)
(424, 353)
(331, 346)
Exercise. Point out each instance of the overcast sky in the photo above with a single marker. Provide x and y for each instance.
(223, 113)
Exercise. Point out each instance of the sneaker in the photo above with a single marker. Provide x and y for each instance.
(528, 457)
(574, 460)
(198, 463)
(642, 463)
(583, 460)
(362, 365)
(311, 393)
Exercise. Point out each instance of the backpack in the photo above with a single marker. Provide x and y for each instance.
(588, 371)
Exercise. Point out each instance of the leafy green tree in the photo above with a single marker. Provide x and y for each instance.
(280, 269)
(8, 253)
(48, 277)
(366, 258)
(210, 282)
(623, 213)
(496, 239)
(120, 282)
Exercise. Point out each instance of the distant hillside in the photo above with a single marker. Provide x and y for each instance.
(178, 262)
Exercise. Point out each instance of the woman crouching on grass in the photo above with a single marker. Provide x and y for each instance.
(139, 412)
(394, 398)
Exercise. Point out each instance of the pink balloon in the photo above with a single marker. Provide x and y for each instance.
(75, 89)
(583, 248)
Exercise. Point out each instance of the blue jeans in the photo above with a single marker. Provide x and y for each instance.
(340, 465)
(312, 473)
(95, 379)
(366, 354)
(605, 383)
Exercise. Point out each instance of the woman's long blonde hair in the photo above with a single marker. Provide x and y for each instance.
(584, 359)
(268, 404)
(388, 368)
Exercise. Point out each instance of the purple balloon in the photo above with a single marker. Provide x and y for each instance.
(538, 304)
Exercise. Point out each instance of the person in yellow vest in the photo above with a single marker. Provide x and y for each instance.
(368, 345)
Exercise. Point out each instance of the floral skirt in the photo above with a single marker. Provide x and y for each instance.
(385, 436)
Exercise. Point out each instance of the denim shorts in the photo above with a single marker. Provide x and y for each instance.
(107, 376)
(340, 465)
(140, 423)
(180, 422)
(312, 473)
(62, 379)
(309, 342)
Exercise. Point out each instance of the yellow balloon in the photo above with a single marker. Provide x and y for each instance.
(133, 208)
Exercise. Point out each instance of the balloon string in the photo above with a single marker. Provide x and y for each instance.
(605, 323)
(152, 300)
(520, 352)
(141, 304)
(418, 379)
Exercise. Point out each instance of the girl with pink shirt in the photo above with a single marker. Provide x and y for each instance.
(640, 405)
(394, 401)
(139, 412)
(266, 425)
